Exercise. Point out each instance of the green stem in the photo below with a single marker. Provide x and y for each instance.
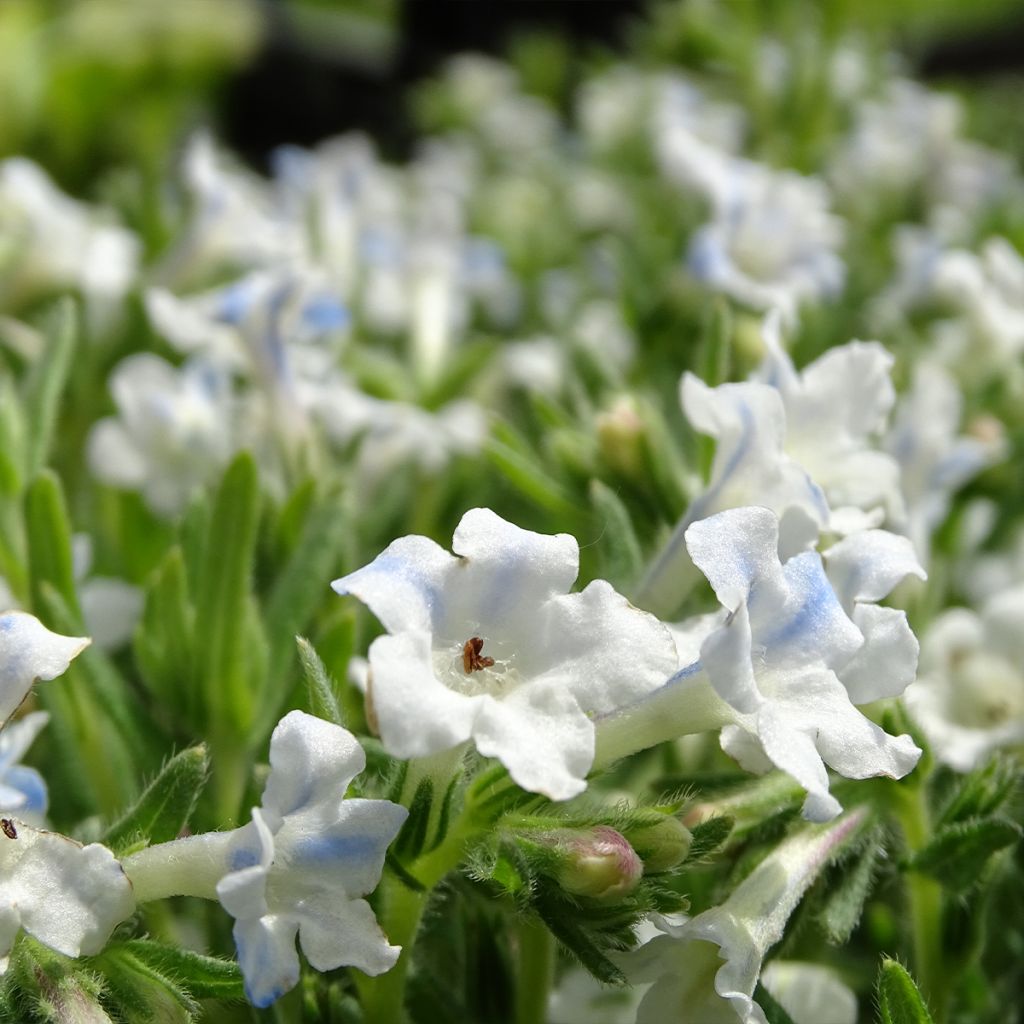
(536, 959)
(925, 906)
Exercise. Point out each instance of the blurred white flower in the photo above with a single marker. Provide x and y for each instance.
(969, 697)
(810, 993)
(55, 242)
(172, 434)
(488, 645)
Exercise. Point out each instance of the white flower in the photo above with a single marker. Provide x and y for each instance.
(691, 984)
(781, 667)
(302, 864)
(935, 460)
(22, 789)
(810, 993)
(65, 895)
(29, 651)
(969, 698)
(61, 243)
(802, 444)
(488, 645)
(173, 432)
(772, 242)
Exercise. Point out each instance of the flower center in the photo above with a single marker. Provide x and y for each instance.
(465, 668)
(987, 691)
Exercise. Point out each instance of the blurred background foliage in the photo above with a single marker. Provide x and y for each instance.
(91, 85)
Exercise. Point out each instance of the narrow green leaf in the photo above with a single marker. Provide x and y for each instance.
(222, 595)
(621, 557)
(413, 835)
(957, 854)
(774, 1012)
(708, 836)
(166, 805)
(49, 545)
(319, 685)
(203, 977)
(843, 905)
(302, 585)
(899, 1001)
(45, 385)
(579, 944)
(511, 456)
(982, 792)
(13, 457)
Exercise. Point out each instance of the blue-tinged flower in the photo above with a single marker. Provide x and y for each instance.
(781, 667)
(304, 862)
(691, 983)
(805, 445)
(23, 792)
(29, 651)
(487, 645)
(67, 896)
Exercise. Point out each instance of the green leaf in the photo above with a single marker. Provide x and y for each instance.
(413, 835)
(203, 977)
(510, 454)
(708, 836)
(982, 792)
(45, 385)
(899, 1001)
(13, 457)
(301, 587)
(579, 943)
(163, 641)
(957, 854)
(49, 546)
(222, 598)
(621, 557)
(843, 904)
(164, 808)
(319, 685)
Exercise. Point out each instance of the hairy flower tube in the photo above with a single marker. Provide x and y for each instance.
(782, 666)
(691, 984)
(299, 868)
(29, 651)
(487, 645)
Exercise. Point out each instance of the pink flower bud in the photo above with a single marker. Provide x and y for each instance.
(598, 863)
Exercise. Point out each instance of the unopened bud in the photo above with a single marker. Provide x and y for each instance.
(599, 863)
(620, 432)
(663, 845)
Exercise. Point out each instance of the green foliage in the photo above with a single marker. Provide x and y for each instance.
(899, 1001)
(163, 810)
(958, 854)
(843, 903)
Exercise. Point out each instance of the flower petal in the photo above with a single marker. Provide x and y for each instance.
(347, 935)
(267, 956)
(540, 734)
(725, 655)
(416, 712)
(311, 762)
(867, 566)
(67, 896)
(887, 663)
(29, 651)
(404, 586)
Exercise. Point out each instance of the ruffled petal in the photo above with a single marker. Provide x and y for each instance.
(867, 566)
(887, 663)
(29, 651)
(345, 936)
(267, 956)
(540, 734)
(68, 896)
(417, 714)
(311, 762)
(404, 586)
(725, 655)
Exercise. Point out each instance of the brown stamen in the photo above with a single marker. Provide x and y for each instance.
(8, 828)
(472, 660)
